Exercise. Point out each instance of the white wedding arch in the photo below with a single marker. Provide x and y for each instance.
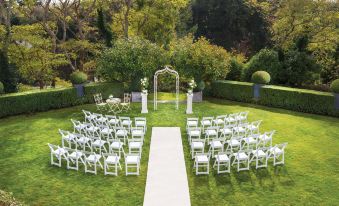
(167, 69)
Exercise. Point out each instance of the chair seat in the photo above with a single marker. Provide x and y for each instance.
(250, 140)
(134, 145)
(218, 121)
(106, 131)
(126, 122)
(226, 131)
(241, 118)
(113, 121)
(216, 144)
(112, 159)
(93, 158)
(264, 137)
(140, 123)
(137, 133)
(197, 145)
(102, 119)
(80, 126)
(241, 156)
(201, 158)
(83, 140)
(239, 129)
(229, 119)
(98, 143)
(192, 123)
(211, 132)
(276, 150)
(75, 155)
(222, 158)
(121, 132)
(69, 137)
(59, 151)
(252, 127)
(194, 133)
(116, 145)
(233, 142)
(259, 153)
(92, 129)
(132, 159)
(206, 122)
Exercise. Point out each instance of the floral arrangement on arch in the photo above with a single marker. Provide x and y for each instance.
(144, 84)
(191, 86)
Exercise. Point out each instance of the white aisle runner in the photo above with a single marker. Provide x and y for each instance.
(166, 176)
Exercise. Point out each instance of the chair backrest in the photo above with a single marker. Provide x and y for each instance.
(52, 147)
(105, 155)
(256, 123)
(207, 118)
(140, 119)
(124, 118)
(222, 117)
(87, 113)
(98, 98)
(64, 133)
(127, 97)
(212, 128)
(281, 146)
(243, 114)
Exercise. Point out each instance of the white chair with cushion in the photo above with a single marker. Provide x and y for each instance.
(242, 117)
(211, 133)
(242, 159)
(278, 154)
(132, 164)
(78, 126)
(92, 160)
(265, 140)
(98, 143)
(226, 132)
(253, 127)
(116, 146)
(219, 121)
(231, 120)
(121, 133)
(206, 122)
(141, 122)
(216, 145)
(223, 162)
(112, 121)
(202, 163)
(126, 122)
(197, 146)
(73, 157)
(111, 160)
(233, 144)
(193, 133)
(68, 137)
(192, 122)
(135, 146)
(260, 155)
(58, 152)
(240, 130)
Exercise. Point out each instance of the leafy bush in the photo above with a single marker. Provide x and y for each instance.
(200, 60)
(7, 199)
(78, 77)
(129, 60)
(1, 88)
(201, 86)
(261, 77)
(236, 69)
(264, 59)
(36, 101)
(335, 86)
(301, 100)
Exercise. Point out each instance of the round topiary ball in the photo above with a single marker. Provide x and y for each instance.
(78, 77)
(335, 86)
(261, 77)
(2, 89)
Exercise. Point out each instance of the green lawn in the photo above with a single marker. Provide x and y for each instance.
(309, 177)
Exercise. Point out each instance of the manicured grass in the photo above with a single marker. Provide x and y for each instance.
(309, 177)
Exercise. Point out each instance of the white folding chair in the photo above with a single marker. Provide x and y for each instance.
(121, 133)
(250, 141)
(98, 143)
(101, 105)
(141, 122)
(88, 116)
(193, 133)
(82, 141)
(99, 119)
(278, 154)
(112, 121)
(202, 163)
(216, 145)
(206, 122)
(106, 132)
(111, 160)
(219, 121)
(242, 157)
(226, 132)
(231, 120)
(126, 122)
(138, 133)
(253, 127)
(233, 144)
(73, 157)
(92, 160)
(197, 146)
(192, 122)
(265, 139)
(211, 133)
(68, 137)
(132, 164)
(223, 162)
(240, 130)
(135, 146)
(57, 152)
(260, 155)
(126, 105)
(78, 126)
(116, 146)
(242, 117)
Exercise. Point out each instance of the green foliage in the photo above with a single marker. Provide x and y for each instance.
(261, 77)
(265, 59)
(200, 59)
(335, 86)
(2, 89)
(129, 60)
(8, 74)
(7, 199)
(104, 29)
(36, 101)
(201, 86)
(236, 69)
(300, 100)
(299, 68)
(78, 77)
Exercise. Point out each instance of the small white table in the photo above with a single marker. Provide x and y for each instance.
(114, 105)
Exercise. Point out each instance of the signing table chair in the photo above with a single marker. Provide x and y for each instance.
(101, 105)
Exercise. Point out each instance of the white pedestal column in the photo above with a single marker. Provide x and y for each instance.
(144, 103)
(189, 103)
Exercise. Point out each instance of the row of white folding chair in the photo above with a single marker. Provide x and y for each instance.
(235, 143)
(106, 132)
(223, 160)
(221, 120)
(114, 121)
(93, 143)
(92, 160)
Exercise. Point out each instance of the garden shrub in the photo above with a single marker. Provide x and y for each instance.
(236, 69)
(335, 86)
(78, 77)
(37, 101)
(1, 88)
(261, 77)
(265, 59)
(300, 100)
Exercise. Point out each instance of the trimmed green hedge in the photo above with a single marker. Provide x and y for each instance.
(29, 102)
(300, 100)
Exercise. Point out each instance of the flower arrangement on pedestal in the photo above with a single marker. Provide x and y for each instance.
(144, 84)
(191, 86)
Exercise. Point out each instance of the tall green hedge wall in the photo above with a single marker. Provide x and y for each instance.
(300, 100)
(30, 102)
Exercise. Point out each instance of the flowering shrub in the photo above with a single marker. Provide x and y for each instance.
(144, 84)
(191, 86)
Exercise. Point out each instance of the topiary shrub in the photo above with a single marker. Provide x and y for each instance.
(1, 88)
(335, 86)
(261, 77)
(78, 77)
